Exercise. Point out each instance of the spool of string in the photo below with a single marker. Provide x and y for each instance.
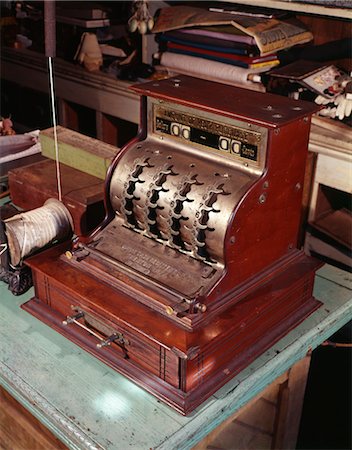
(31, 231)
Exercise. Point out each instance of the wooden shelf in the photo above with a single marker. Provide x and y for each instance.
(337, 225)
(92, 103)
(96, 90)
(307, 8)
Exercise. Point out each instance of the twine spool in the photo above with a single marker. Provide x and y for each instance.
(31, 231)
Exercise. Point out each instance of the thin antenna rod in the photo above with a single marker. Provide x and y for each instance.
(53, 108)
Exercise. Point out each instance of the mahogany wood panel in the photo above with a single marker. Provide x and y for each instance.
(279, 216)
(180, 367)
(243, 104)
(250, 249)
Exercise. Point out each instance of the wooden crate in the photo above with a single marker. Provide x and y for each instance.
(82, 194)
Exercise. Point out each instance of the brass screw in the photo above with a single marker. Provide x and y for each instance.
(68, 255)
(201, 307)
(262, 198)
(169, 310)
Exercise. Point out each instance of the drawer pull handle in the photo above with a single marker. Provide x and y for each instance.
(113, 338)
(73, 319)
(116, 337)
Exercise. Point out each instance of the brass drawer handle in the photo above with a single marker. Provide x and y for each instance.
(116, 337)
(73, 319)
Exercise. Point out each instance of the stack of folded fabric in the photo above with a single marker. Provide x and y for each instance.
(223, 43)
(222, 47)
(217, 53)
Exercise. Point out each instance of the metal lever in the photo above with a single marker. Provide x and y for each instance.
(179, 308)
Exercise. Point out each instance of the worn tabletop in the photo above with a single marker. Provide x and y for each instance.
(89, 406)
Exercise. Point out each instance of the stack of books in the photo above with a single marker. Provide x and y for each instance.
(222, 43)
(228, 46)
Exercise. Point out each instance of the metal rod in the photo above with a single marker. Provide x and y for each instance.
(81, 325)
(49, 28)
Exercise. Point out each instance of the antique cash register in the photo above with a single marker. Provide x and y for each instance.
(195, 270)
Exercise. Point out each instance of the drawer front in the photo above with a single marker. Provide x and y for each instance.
(125, 342)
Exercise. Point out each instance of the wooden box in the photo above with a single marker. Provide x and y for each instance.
(82, 194)
(181, 367)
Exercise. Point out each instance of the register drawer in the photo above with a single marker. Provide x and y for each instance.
(131, 345)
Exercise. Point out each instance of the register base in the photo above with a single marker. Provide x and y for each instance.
(180, 367)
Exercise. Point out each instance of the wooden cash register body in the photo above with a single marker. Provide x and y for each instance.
(182, 315)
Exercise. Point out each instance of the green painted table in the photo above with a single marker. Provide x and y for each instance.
(89, 406)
